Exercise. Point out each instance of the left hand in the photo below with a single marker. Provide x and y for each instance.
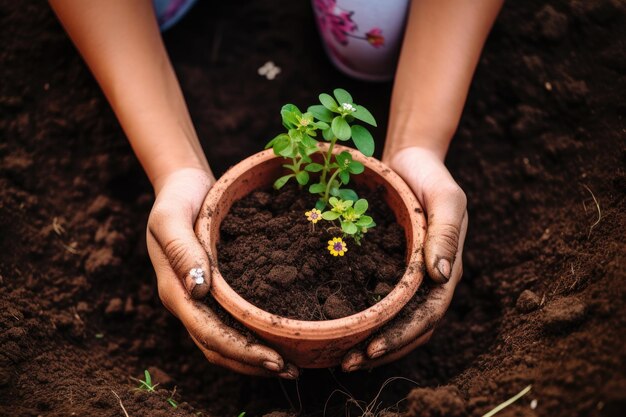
(445, 205)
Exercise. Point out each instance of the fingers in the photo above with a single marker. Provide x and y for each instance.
(221, 344)
(444, 202)
(172, 229)
(288, 372)
(402, 336)
(356, 359)
(447, 217)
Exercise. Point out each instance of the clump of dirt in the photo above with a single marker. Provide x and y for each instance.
(275, 258)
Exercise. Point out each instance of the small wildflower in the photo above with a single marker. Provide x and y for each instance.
(313, 216)
(198, 275)
(337, 246)
(348, 107)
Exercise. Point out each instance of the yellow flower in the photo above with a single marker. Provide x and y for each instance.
(313, 216)
(337, 246)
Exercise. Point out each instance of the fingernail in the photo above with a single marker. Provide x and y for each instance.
(444, 268)
(378, 353)
(354, 367)
(272, 366)
(290, 372)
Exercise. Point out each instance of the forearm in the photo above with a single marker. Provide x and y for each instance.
(121, 43)
(442, 44)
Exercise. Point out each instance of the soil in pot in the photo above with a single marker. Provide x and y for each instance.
(272, 256)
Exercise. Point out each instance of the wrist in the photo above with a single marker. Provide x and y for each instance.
(184, 173)
(434, 140)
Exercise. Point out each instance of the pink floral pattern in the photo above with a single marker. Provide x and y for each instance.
(338, 23)
(375, 37)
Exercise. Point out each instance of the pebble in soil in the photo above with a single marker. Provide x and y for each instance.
(271, 255)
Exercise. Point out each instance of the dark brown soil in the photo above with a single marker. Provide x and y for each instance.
(272, 257)
(542, 301)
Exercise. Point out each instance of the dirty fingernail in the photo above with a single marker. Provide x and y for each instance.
(444, 268)
(271, 366)
(354, 367)
(378, 353)
(290, 372)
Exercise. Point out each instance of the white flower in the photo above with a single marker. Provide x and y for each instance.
(348, 107)
(198, 275)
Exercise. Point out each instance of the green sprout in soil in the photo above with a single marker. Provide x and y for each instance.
(147, 385)
(336, 119)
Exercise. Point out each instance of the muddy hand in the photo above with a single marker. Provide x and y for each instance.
(445, 205)
(182, 270)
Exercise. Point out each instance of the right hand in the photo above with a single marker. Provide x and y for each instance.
(174, 251)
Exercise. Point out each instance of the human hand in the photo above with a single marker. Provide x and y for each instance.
(445, 205)
(182, 269)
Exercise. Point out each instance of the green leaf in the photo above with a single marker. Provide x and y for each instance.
(317, 188)
(327, 134)
(321, 113)
(280, 142)
(308, 141)
(289, 151)
(320, 205)
(328, 102)
(341, 128)
(349, 228)
(364, 115)
(348, 194)
(148, 377)
(345, 177)
(322, 125)
(363, 140)
(343, 160)
(364, 221)
(356, 167)
(278, 184)
(342, 96)
(288, 113)
(302, 177)
(314, 167)
(334, 191)
(330, 215)
(360, 206)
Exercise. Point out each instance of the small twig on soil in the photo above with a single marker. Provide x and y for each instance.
(57, 227)
(121, 404)
(508, 402)
(597, 207)
(70, 248)
(576, 278)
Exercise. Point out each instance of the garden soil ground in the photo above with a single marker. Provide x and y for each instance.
(540, 153)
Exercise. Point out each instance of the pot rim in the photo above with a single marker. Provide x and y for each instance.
(256, 318)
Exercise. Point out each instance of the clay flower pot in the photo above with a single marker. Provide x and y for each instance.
(312, 344)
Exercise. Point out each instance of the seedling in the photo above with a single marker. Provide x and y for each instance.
(147, 385)
(336, 118)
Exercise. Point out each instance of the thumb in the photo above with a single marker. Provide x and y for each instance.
(173, 231)
(446, 209)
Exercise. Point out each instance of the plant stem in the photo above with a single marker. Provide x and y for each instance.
(327, 160)
(330, 181)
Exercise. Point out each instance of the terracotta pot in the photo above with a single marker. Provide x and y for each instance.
(312, 344)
